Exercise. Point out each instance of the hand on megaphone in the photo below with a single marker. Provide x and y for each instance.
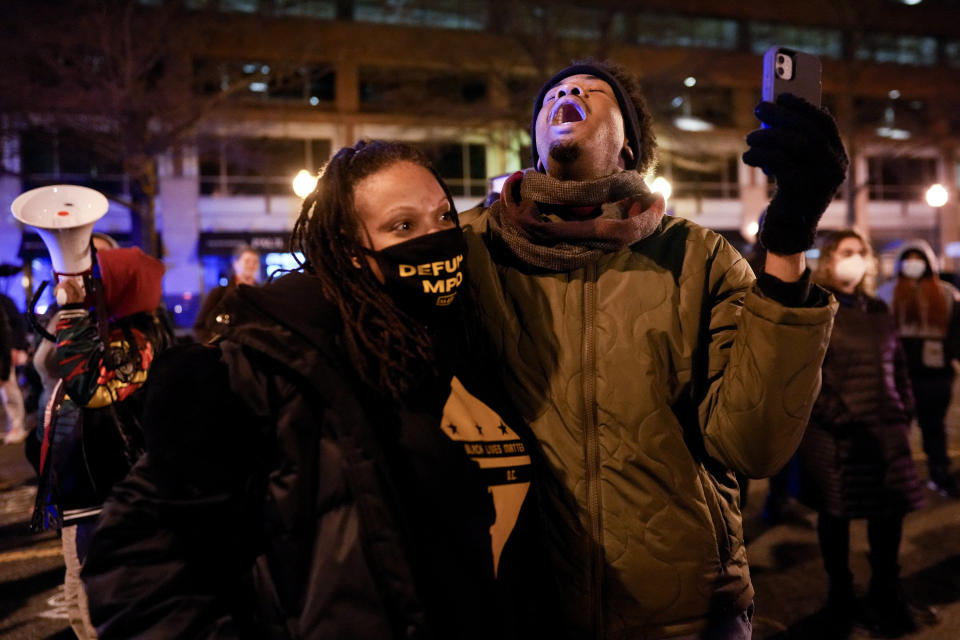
(69, 291)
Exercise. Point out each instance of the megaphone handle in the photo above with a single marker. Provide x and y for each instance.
(42, 330)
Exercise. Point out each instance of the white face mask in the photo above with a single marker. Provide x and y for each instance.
(850, 270)
(913, 268)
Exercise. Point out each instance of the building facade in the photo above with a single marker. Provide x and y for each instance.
(277, 85)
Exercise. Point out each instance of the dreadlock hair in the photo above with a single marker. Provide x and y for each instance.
(389, 349)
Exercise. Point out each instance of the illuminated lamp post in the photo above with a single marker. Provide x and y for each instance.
(936, 195)
(304, 183)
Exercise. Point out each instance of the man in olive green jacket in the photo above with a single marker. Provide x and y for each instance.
(648, 360)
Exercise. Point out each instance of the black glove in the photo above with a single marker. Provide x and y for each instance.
(801, 148)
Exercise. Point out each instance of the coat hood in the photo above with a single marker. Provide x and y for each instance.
(132, 281)
(923, 247)
(293, 301)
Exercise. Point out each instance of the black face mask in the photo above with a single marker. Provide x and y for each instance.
(423, 275)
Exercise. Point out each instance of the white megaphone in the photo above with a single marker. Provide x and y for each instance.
(63, 215)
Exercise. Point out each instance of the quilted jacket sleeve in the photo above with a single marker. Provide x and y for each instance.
(763, 371)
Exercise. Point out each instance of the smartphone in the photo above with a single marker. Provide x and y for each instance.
(790, 71)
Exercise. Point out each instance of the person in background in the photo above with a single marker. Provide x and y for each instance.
(343, 469)
(927, 312)
(855, 456)
(107, 338)
(246, 270)
(648, 360)
(13, 353)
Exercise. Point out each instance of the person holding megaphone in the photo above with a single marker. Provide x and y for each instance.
(106, 341)
(107, 335)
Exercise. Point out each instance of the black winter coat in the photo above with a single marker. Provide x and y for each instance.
(855, 455)
(280, 497)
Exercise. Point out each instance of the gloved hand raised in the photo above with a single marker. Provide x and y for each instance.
(801, 148)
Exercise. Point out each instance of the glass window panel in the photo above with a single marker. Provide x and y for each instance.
(449, 14)
(900, 178)
(899, 49)
(320, 151)
(325, 9)
(951, 52)
(37, 152)
(665, 30)
(249, 166)
(820, 42)
(424, 91)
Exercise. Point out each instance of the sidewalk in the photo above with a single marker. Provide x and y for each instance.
(791, 585)
(784, 559)
(31, 565)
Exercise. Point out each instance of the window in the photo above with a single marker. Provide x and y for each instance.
(324, 9)
(314, 83)
(448, 14)
(900, 178)
(659, 30)
(711, 104)
(951, 52)
(897, 119)
(821, 42)
(462, 166)
(419, 90)
(899, 49)
(48, 156)
(256, 166)
(702, 175)
(579, 22)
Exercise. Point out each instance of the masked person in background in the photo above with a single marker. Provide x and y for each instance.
(927, 312)
(107, 338)
(647, 359)
(246, 270)
(327, 467)
(855, 456)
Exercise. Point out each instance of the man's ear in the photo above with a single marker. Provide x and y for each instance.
(627, 153)
(355, 261)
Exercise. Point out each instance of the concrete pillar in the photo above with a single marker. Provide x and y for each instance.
(950, 212)
(347, 86)
(10, 230)
(753, 197)
(347, 100)
(858, 177)
(180, 223)
(744, 102)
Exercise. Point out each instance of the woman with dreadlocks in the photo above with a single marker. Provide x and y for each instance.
(321, 470)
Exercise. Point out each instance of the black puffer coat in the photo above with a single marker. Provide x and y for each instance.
(281, 498)
(855, 455)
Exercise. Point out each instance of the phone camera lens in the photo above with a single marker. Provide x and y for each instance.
(779, 71)
(780, 59)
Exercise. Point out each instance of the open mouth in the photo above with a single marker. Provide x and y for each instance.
(566, 112)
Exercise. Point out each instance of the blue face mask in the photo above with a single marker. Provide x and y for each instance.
(423, 275)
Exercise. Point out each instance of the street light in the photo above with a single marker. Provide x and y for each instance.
(662, 186)
(937, 195)
(304, 183)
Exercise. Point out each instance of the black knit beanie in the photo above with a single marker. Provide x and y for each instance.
(630, 123)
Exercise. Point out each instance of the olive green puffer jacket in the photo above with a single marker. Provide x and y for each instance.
(649, 377)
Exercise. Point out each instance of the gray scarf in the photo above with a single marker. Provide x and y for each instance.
(561, 225)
